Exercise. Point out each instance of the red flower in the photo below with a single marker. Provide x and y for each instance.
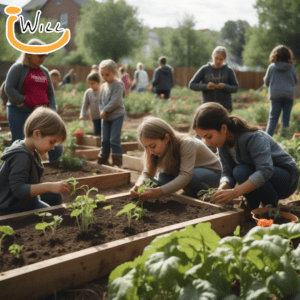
(78, 132)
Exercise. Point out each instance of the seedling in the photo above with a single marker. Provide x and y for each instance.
(128, 210)
(43, 215)
(275, 213)
(210, 192)
(83, 209)
(73, 183)
(15, 250)
(42, 226)
(108, 207)
(6, 230)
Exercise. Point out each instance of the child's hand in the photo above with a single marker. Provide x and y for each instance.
(220, 86)
(60, 187)
(133, 192)
(211, 86)
(103, 115)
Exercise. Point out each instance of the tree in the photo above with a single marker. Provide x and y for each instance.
(233, 34)
(108, 30)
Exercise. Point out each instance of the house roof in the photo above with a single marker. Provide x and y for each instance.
(40, 3)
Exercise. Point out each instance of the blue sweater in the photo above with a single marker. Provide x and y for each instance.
(207, 74)
(14, 84)
(260, 150)
(281, 78)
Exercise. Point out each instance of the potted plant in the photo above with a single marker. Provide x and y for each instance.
(267, 216)
(78, 135)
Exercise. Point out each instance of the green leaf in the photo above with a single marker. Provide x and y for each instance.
(257, 291)
(107, 207)
(237, 231)
(41, 226)
(127, 208)
(76, 212)
(141, 189)
(95, 174)
(199, 289)
(101, 198)
(44, 214)
(7, 230)
(161, 265)
(233, 242)
(202, 192)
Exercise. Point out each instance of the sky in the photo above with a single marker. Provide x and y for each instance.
(208, 14)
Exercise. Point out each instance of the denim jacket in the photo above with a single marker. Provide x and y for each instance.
(260, 150)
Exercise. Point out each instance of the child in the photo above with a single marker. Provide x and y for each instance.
(185, 162)
(264, 171)
(55, 78)
(112, 111)
(281, 78)
(91, 99)
(22, 169)
(125, 79)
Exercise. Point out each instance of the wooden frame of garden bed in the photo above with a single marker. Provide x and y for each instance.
(92, 152)
(103, 181)
(133, 163)
(70, 270)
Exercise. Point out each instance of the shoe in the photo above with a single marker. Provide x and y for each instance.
(117, 160)
(103, 159)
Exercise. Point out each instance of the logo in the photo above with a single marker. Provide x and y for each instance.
(12, 12)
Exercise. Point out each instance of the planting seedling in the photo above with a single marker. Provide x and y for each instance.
(72, 181)
(210, 192)
(128, 210)
(15, 250)
(6, 230)
(42, 226)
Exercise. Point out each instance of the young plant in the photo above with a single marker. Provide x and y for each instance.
(15, 250)
(274, 213)
(6, 230)
(73, 182)
(210, 192)
(43, 215)
(128, 210)
(42, 226)
(108, 207)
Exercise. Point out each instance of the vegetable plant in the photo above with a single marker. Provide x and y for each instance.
(6, 230)
(274, 213)
(43, 215)
(108, 207)
(210, 192)
(15, 249)
(195, 263)
(42, 226)
(128, 210)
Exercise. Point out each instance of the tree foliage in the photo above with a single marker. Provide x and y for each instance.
(233, 35)
(108, 30)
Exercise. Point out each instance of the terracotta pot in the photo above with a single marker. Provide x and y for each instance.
(78, 139)
(286, 215)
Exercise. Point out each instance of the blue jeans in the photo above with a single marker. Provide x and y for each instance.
(276, 188)
(47, 200)
(97, 126)
(276, 105)
(202, 180)
(141, 90)
(111, 136)
(17, 117)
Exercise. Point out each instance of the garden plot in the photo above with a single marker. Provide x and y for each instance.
(71, 258)
(93, 175)
(133, 160)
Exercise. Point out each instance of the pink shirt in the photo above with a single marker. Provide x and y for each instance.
(127, 82)
(35, 88)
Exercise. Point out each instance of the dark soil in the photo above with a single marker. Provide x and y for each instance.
(55, 173)
(38, 247)
(279, 220)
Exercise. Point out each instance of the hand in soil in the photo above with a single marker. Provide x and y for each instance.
(224, 196)
(133, 192)
(60, 187)
(151, 193)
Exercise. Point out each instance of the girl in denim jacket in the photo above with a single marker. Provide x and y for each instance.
(250, 157)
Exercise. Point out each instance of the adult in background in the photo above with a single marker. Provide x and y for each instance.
(216, 80)
(70, 77)
(28, 85)
(281, 78)
(163, 79)
(140, 79)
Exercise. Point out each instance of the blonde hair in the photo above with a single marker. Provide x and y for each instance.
(110, 65)
(47, 121)
(55, 72)
(23, 59)
(139, 66)
(156, 128)
(220, 50)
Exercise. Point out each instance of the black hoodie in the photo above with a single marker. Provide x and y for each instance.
(18, 171)
(163, 78)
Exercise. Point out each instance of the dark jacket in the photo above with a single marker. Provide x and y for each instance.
(14, 84)
(260, 150)
(18, 170)
(163, 78)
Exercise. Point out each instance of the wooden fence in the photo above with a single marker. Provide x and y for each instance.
(182, 76)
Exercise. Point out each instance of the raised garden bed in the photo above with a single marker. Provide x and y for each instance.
(133, 160)
(106, 176)
(91, 153)
(4, 126)
(102, 254)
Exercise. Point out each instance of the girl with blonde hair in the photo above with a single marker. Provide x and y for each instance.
(21, 169)
(178, 160)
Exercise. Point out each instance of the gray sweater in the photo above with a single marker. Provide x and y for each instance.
(163, 78)
(281, 78)
(14, 84)
(207, 74)
(193, 153)
(111, 99)
(18, 171)
(91, 99)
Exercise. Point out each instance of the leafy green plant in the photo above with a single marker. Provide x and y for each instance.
(43, 215)
(274, 213)
(195, 263)
(6, 230)
(209, 193)
(15, 249)
(108, 207)
(127, 209)
(139, 102)
(42, 226)
(128, 136)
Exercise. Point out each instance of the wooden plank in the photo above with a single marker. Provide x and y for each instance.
(133, 163)
(40, 279)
